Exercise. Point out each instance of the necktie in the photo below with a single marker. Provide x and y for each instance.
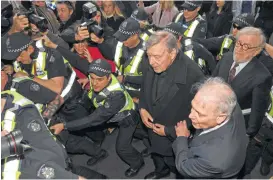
(232, 72)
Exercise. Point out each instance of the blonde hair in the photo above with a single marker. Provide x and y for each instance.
(166, 4)
(117, 12)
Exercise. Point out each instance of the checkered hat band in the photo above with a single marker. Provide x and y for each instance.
(172, 31)
(243, 21)
(100, 69)
(190, 3)
(127, 32)
(20, 49)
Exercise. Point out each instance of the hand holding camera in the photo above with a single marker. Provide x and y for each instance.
(20, 22)
(82, 33)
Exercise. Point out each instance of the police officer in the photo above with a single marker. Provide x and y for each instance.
(48, 158)
(190, 18)
(129, 57)
(141, 17)
(225, 43)
(192, 49)
(113, 105)
(45, 66)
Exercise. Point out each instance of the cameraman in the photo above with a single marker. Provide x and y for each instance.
(91, 12)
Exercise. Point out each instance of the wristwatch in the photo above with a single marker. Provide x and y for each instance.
(31, 76)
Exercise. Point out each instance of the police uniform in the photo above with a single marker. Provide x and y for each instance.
(141, 15)
(192, 49)
(130, 62)
(112, 105)
(46, 64)
(196, 28)
(222, 44)
(48, 158)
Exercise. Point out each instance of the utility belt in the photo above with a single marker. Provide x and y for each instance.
(130, 118)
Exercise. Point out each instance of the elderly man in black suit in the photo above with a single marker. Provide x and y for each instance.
(250, 80)
(218, 147)
(165, 97)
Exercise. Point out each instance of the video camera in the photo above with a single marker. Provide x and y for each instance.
(93, 27)
(11, 144)
(40, 22)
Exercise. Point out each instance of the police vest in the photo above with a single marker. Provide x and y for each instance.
(115, 86)
(145, 35)
(132, 67)
(225, 47)
(12, 164)
(15, 85)
(39, 70)
(11, 167)
(188, 50)
(190, 30)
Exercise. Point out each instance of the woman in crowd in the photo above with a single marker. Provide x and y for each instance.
(112, 14)
(163, 12)
(219, 18)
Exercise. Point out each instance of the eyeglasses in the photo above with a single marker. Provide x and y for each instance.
(235, 26)
(245, 47)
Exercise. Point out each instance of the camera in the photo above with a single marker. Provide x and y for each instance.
(11, 144)
(40, 22)
(89, 10)
(93, 27)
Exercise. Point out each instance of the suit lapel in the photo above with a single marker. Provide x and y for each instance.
(245, 74)
(226, 68)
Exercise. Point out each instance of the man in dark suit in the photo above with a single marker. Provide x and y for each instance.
(250, 80)
(165, 97)
(218, 147)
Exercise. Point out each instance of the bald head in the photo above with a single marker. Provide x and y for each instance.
(213, 103)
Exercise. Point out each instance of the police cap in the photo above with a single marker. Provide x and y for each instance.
(14, 45)
(140, 14)
(175, 28)
(100, 67)
(244, 20)
(127, 28)
(191, 5)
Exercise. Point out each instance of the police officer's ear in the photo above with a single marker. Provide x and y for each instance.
(198, 9)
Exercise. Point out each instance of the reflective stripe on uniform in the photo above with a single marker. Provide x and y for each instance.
(136, 61)
(189, 53)
(189, 32)
(225, 45)
(118, 53)
(69, 84)
(246, 111)
(178, 17)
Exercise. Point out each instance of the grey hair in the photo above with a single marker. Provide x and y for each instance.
(163, 36)
(221, 91)
(253, 31)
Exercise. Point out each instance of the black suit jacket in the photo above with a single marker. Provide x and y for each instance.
(251, 86)
(174, 103)
(217, 154)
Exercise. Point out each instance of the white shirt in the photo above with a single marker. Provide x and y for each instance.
(240, 67)
(213, 129)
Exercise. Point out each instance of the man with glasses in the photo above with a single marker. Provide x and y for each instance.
(250, 80)
(190, 18)
(225, 43)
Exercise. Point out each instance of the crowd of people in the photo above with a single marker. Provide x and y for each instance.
(191, 79)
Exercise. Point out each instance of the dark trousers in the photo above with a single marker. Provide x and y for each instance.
(255, 150)
(78, 144)
(124, 147)
(163, 163)
(142, 134)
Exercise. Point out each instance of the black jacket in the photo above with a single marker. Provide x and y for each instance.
(218, 24)
(251, 86)
(174, 104)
